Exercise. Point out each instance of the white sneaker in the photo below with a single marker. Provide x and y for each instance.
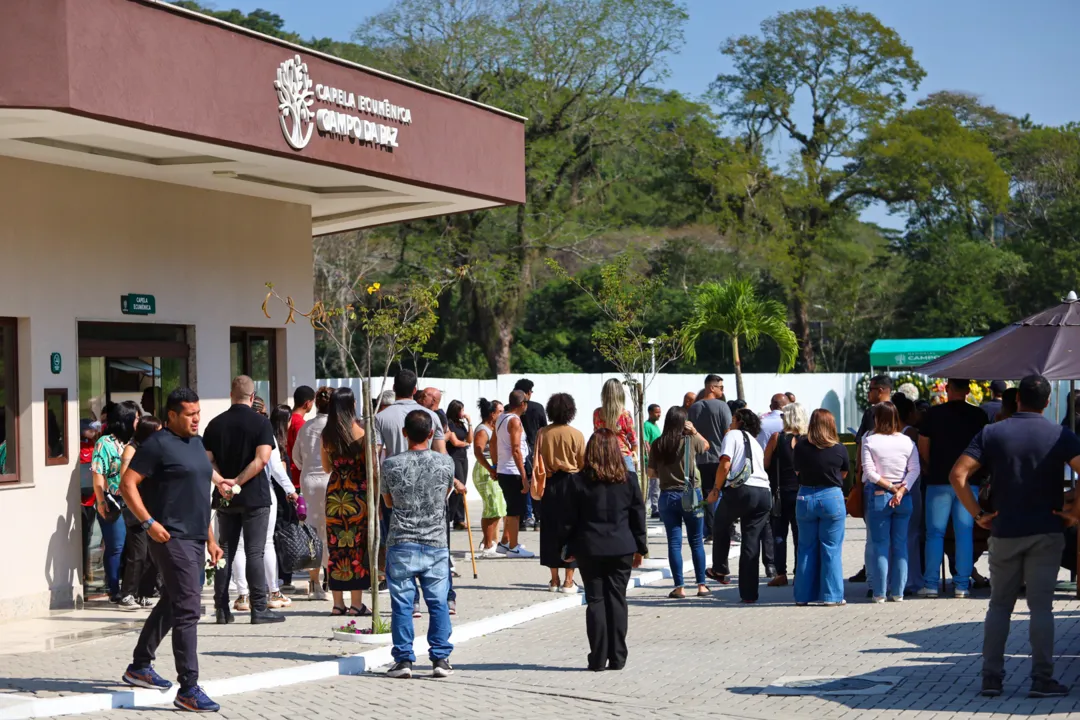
(278, 601)
(520, 552)
(927, 592)
(502, 548)
(961, 594)
(878, 600)
(488, 553)
(570, 589)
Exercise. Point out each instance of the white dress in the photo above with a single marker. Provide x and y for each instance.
(307, 455)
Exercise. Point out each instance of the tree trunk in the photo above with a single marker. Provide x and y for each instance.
(802, 332)
(372, 499)
(739, 391)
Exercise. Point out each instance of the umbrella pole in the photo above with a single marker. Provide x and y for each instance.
(1072, 473)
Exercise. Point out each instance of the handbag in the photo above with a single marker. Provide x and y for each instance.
(692, 500)
(854, 501)
(540, 473)
(297, 545)
(739, 479)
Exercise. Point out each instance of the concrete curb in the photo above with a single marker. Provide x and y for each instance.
(350, 665)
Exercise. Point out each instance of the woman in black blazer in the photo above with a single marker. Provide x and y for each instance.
(604, 531)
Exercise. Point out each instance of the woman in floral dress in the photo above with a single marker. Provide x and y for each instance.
(348, 568)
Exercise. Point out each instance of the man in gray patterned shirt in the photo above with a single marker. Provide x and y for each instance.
(415, 485)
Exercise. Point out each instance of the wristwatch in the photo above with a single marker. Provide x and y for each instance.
(980, 516)
(145, 524)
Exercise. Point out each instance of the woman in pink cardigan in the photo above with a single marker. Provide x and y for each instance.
(890, 465)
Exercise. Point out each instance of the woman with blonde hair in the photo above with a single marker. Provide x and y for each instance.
(822, 465)
(780, 462)
(612, 415)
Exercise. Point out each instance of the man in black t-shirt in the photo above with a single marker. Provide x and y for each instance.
(533, 419)
(239, 443)
(946, 432)
(167, 489)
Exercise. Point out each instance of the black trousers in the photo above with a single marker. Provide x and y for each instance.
(181, 565)
(140, 573)
(253, 522)
(751, 506)
(768, 546)
(708, 480)
(780, 524)
(604, 580)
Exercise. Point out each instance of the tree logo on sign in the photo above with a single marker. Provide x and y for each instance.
(295, 98)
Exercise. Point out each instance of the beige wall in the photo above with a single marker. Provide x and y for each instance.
(71, 243)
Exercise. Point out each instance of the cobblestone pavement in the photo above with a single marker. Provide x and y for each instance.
(239, 649)
(712, 657)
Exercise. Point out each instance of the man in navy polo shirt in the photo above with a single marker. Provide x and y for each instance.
(1026, 455)
(167, 488)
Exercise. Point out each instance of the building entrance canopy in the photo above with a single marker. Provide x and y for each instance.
(145, 89)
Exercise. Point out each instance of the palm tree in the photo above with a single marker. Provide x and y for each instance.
(734, 308)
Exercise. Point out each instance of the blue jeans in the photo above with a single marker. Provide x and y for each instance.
(820, 512)
(113, 533)
(915, 539)
(888, 528)
(941, 503)
(431, 566)
(673, 515)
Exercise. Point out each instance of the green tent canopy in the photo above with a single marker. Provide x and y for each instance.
(912, 352)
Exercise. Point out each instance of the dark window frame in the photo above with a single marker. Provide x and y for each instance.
(65, 457)
(12, 325)
(244, 336)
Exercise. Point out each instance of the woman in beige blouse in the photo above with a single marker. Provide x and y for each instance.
(560, 454)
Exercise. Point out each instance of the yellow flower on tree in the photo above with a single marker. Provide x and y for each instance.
(373, 288)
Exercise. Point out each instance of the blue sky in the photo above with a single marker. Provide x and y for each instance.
(1021, 56)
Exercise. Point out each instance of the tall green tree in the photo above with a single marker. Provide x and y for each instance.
(734, 309)
(834, 83)
(575, 69)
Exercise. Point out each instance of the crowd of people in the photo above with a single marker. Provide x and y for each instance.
(715, 468)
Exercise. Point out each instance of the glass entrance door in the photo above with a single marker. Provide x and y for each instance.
(119, 362)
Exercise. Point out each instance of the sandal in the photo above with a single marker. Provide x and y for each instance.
(704, 593)
(362, 611)
(677, 594)
(338, 610)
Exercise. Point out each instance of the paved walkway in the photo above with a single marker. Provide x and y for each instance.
(697, 658)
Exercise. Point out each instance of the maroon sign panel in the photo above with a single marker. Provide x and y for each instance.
(140, 64)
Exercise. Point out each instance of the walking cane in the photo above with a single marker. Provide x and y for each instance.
(468, 528)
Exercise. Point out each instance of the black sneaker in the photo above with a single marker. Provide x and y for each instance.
(224, 616)
(770, 571)
(858, 577)
(991, 687)
(266, 617)
(1048, 688)
(400, 670)
(129, 603)
(441, 669)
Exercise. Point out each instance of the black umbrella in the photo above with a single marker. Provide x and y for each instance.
(1047, 344)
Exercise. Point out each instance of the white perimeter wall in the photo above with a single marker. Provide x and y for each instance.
(835, 391)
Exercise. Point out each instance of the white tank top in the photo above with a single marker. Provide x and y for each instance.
(507, 466)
